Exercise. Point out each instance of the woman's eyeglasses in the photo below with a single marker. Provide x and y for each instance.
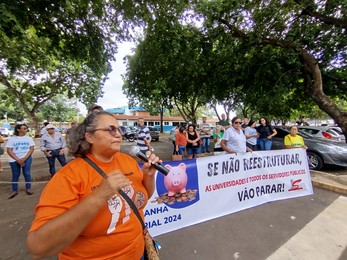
(111, 129)
(238, 122)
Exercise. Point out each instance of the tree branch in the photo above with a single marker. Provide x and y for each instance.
(342, 23)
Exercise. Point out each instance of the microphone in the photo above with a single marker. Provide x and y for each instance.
(135, 151)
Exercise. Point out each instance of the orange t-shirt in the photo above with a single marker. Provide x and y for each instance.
(181, 139)
(115, 232)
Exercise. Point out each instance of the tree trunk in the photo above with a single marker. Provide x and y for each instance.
(36, 123)
(314, 88)
(161, 118)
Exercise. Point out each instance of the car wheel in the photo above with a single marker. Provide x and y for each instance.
(315, 162)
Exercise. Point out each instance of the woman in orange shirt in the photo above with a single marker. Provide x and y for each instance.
(181, 141)
(80, 214)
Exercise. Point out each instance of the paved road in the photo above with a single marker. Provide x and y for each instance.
(311, 227)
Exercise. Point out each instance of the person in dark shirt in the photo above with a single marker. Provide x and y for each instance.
(224, 122)
(266, 132)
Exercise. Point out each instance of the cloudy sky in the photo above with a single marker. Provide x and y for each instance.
(113, 95)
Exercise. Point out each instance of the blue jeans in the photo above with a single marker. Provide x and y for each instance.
(51, 160)
(193, 151)
(265, 144)
(181, 150)
(15, 167)
(205, 144)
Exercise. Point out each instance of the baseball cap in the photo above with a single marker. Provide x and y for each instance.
(49, 126)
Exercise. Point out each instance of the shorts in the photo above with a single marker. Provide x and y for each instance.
(193, 150)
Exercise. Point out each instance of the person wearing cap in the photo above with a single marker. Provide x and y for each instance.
(43, 130)
(95, 108)
(53, 146)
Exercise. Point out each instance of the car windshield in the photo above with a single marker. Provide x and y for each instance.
(283, 131)
(304, 134)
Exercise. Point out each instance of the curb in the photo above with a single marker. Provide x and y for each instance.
(328, 182)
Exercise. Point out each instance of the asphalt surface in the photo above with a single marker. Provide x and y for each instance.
(250, 233)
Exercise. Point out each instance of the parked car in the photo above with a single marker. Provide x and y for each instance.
(128, 134)
(338, 130)
(5, 132)
(320, 150)
(154, 132)
(321, 131)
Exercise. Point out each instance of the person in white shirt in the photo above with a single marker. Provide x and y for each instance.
(20, 148)
(251, 135)
(234, 140)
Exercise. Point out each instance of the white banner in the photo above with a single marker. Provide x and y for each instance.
(214, 186)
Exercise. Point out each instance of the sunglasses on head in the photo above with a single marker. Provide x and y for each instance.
(111, 129)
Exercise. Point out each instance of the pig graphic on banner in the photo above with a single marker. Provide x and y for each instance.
(180, 188)
(176, 180)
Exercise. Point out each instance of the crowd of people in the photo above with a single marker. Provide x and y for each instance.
(89, 208)
(189, 141)
(237, 136)
(20, 147)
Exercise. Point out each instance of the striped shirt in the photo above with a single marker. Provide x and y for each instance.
(143, 134)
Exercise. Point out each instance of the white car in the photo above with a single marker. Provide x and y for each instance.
(321, 131)
(5, 131)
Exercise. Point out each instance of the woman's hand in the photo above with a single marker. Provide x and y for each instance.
(21, 161)
(112, 184)
(147, 167)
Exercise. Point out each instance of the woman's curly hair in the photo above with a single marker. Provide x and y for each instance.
(78, 145)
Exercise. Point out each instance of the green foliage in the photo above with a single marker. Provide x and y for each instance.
(273, 35)
(58, 109)
(169, 67)
(53, 47)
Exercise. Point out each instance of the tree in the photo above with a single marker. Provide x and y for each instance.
(316, 33)
(169, 67)
(53, 47)
(58, 109)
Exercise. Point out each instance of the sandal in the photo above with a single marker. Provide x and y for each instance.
(14, 194)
